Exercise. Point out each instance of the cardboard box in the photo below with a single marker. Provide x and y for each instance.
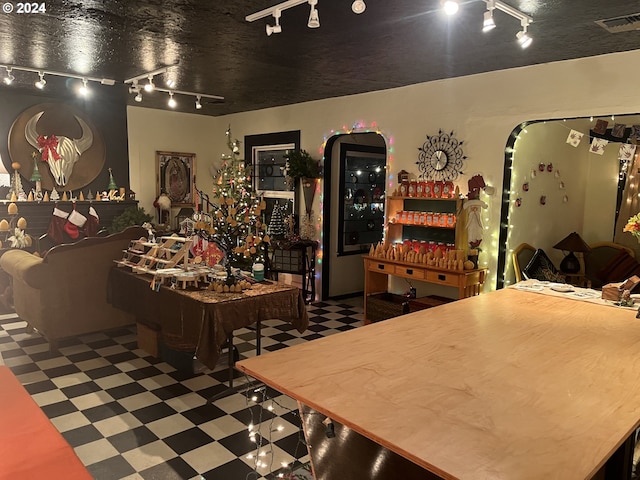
(148, 339)
(613, 291)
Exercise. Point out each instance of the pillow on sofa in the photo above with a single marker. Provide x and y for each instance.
(540, 267)
(619, 268)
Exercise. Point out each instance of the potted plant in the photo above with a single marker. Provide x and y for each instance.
(302, 167)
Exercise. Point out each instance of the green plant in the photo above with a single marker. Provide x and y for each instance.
(301, 164)
(132, 215)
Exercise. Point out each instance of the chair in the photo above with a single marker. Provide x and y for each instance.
(521, 257)
(601, 254)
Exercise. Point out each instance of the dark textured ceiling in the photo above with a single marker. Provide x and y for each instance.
(393, 43)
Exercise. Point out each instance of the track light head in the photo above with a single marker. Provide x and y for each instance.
(172, 101)
(314, 20)
(138, 97)
(450, 7)
(524, 39)
(198, 104)
(170, 82)
(84, 89)
(358, 6)
(42, 82)
(150, 87)
(8, 80)
(277, 13)
(488, 24)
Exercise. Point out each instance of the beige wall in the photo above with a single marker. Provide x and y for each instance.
(481, 109)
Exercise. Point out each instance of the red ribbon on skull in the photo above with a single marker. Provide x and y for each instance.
(48, 147)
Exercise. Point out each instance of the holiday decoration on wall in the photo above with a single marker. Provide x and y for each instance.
(233, 222)
(70, 150)
(441, 157)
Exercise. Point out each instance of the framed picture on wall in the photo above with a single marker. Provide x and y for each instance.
(176, 176)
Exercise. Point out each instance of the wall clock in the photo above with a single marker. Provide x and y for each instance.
(440, 157)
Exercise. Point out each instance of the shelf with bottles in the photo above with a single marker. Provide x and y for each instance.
(423, 218)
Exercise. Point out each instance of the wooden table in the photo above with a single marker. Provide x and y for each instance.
(506, 385)
(202, 321)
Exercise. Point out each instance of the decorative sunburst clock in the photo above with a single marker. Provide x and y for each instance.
(441, 157)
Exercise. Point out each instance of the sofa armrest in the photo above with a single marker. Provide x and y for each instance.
(24, 266)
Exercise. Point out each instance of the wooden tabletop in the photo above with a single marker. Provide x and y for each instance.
(505, 385)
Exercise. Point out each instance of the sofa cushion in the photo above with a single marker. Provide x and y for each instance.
(619, 268)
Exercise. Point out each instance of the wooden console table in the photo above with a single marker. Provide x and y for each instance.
(377, 271)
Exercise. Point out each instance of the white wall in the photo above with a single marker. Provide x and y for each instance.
(481, 109)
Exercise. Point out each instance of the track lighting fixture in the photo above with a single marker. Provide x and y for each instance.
(42, 82)
(135, 87)
(450, 7)
(172, 101)
(150, 86)
(9, 78)
(275, 28)
(170, 82)
(524, 39)
(314, 20)
(358, 6)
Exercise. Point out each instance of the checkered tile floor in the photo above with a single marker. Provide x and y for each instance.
(131, 416)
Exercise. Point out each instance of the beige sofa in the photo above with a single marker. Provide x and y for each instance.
(64, 293)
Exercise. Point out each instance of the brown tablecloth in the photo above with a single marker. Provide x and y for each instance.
(201, 320)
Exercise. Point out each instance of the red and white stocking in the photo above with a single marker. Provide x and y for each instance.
(55, 231)
(93, 222)
(75, 222)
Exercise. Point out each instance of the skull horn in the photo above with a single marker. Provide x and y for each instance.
(30, 131)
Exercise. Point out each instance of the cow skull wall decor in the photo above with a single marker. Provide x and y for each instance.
(58, 152)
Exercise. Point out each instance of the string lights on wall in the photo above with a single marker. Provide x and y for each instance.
(148, 85)
(523, 38)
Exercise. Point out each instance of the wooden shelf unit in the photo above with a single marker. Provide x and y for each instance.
(145, 257)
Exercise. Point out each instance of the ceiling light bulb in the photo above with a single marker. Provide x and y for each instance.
(138, 97)
(42, 82)
(170, 82)
(489, 23)
(198, 104)
(84, 90)
(523, 38)
(314, 20)
(172, 102)
(149, 87)
(451, 7)
(358, 6)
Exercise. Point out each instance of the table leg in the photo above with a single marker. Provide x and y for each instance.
(620, 464)
(258, 337)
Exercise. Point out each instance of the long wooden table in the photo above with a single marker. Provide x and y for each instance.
(506, 385)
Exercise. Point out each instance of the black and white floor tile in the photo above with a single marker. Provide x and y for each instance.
(131, 416)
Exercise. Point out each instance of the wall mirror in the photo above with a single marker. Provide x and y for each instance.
(562, 176)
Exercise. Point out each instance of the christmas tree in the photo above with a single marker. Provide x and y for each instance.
(277, 227)
(235, 224)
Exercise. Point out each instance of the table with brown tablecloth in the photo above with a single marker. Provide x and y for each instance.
(202, 320)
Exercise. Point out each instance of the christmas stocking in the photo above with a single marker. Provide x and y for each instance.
(92, 224)
(75, 221)
(55, 230)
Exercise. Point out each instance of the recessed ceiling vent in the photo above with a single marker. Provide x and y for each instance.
(624, 23)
